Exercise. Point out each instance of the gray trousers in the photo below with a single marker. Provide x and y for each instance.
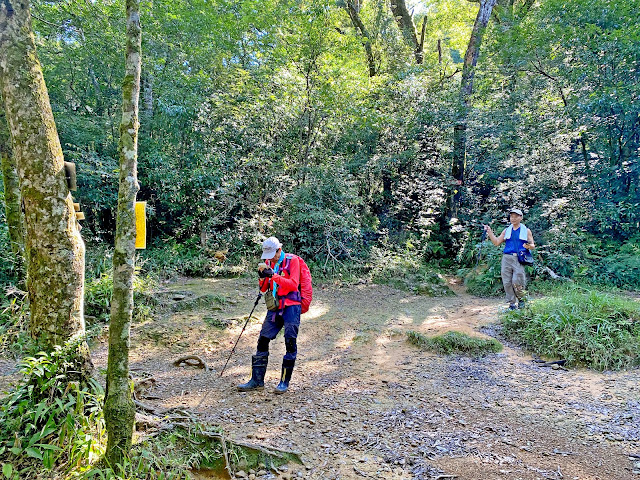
(514, 279)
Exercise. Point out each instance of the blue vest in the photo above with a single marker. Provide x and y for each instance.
(514, 244)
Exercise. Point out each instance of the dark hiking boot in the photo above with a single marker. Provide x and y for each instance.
(258, 369)
(513, 307)
(285, 378)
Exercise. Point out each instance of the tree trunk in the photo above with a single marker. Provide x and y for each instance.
(354, 15)
(466, 88)
(119, 409)
(407, 28)
(54, 247)
(147, 82)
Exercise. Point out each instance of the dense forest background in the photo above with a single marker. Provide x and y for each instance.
(317, 122)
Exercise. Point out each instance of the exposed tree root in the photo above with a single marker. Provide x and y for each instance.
(192, 361)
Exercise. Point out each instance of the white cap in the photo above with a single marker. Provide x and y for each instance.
(517, 211)
(269, 248)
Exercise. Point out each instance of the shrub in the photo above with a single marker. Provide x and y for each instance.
(14, 337)
(455, 342)
(405, 272)
(323, 220)
(53, 419)
(98, 296)
(585, 327)
(191, 260)
(7, 260)
(485, 280)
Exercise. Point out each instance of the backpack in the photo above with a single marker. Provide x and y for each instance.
(305, 287)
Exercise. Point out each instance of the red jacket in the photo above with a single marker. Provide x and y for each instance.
(287, 282)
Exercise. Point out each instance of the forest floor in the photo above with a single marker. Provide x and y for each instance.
(364, 403)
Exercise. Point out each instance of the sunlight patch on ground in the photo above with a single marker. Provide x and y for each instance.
(400, 320)
(436, 322)
(316, 311)
(346, 340)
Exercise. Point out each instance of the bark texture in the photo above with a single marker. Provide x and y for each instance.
(407, 28)
(466, 89)
(54, 247)
(119, 409)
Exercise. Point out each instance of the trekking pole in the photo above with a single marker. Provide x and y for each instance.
(245, 326)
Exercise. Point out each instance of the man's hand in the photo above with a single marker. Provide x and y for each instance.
(487, 228)
(265, 272)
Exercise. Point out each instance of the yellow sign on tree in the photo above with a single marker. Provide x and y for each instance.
(141, 225)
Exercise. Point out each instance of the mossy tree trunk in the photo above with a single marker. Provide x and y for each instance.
(12, 200)
(54, 247)
(353, 10)
(466, 89)
(119, 409)
(405, 23)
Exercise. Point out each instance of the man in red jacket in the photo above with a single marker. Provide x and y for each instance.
(280, 278)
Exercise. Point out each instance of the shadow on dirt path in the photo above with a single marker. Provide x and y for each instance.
(364, 403)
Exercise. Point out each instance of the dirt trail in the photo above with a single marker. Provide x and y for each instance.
(364, 403)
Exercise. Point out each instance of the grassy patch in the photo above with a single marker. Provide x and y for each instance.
(455, 342)
(207, 301)
(586, 327)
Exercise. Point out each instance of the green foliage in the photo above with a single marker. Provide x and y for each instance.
(455, 343)
(576, 254)
(323, 221)
(53, 419)
(585, 327)
(405, 271)
(7, 260)
(99, 290)
(168, 456)
(259, 118)
(14, 337)
(173, 259)
(485, 280)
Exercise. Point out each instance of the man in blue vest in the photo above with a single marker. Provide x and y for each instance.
(516, 237)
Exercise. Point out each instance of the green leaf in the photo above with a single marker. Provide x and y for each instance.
(33, 453)
(7, 470)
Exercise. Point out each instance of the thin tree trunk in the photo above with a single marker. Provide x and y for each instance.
(147, 82)
(53, 246)
(354, 15)
(407, 28)
(466, 89)
(119, 409)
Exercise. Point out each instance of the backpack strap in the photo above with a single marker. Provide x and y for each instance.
(286, 267)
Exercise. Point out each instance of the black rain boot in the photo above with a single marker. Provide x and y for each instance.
(258, 369)
(285, 378)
